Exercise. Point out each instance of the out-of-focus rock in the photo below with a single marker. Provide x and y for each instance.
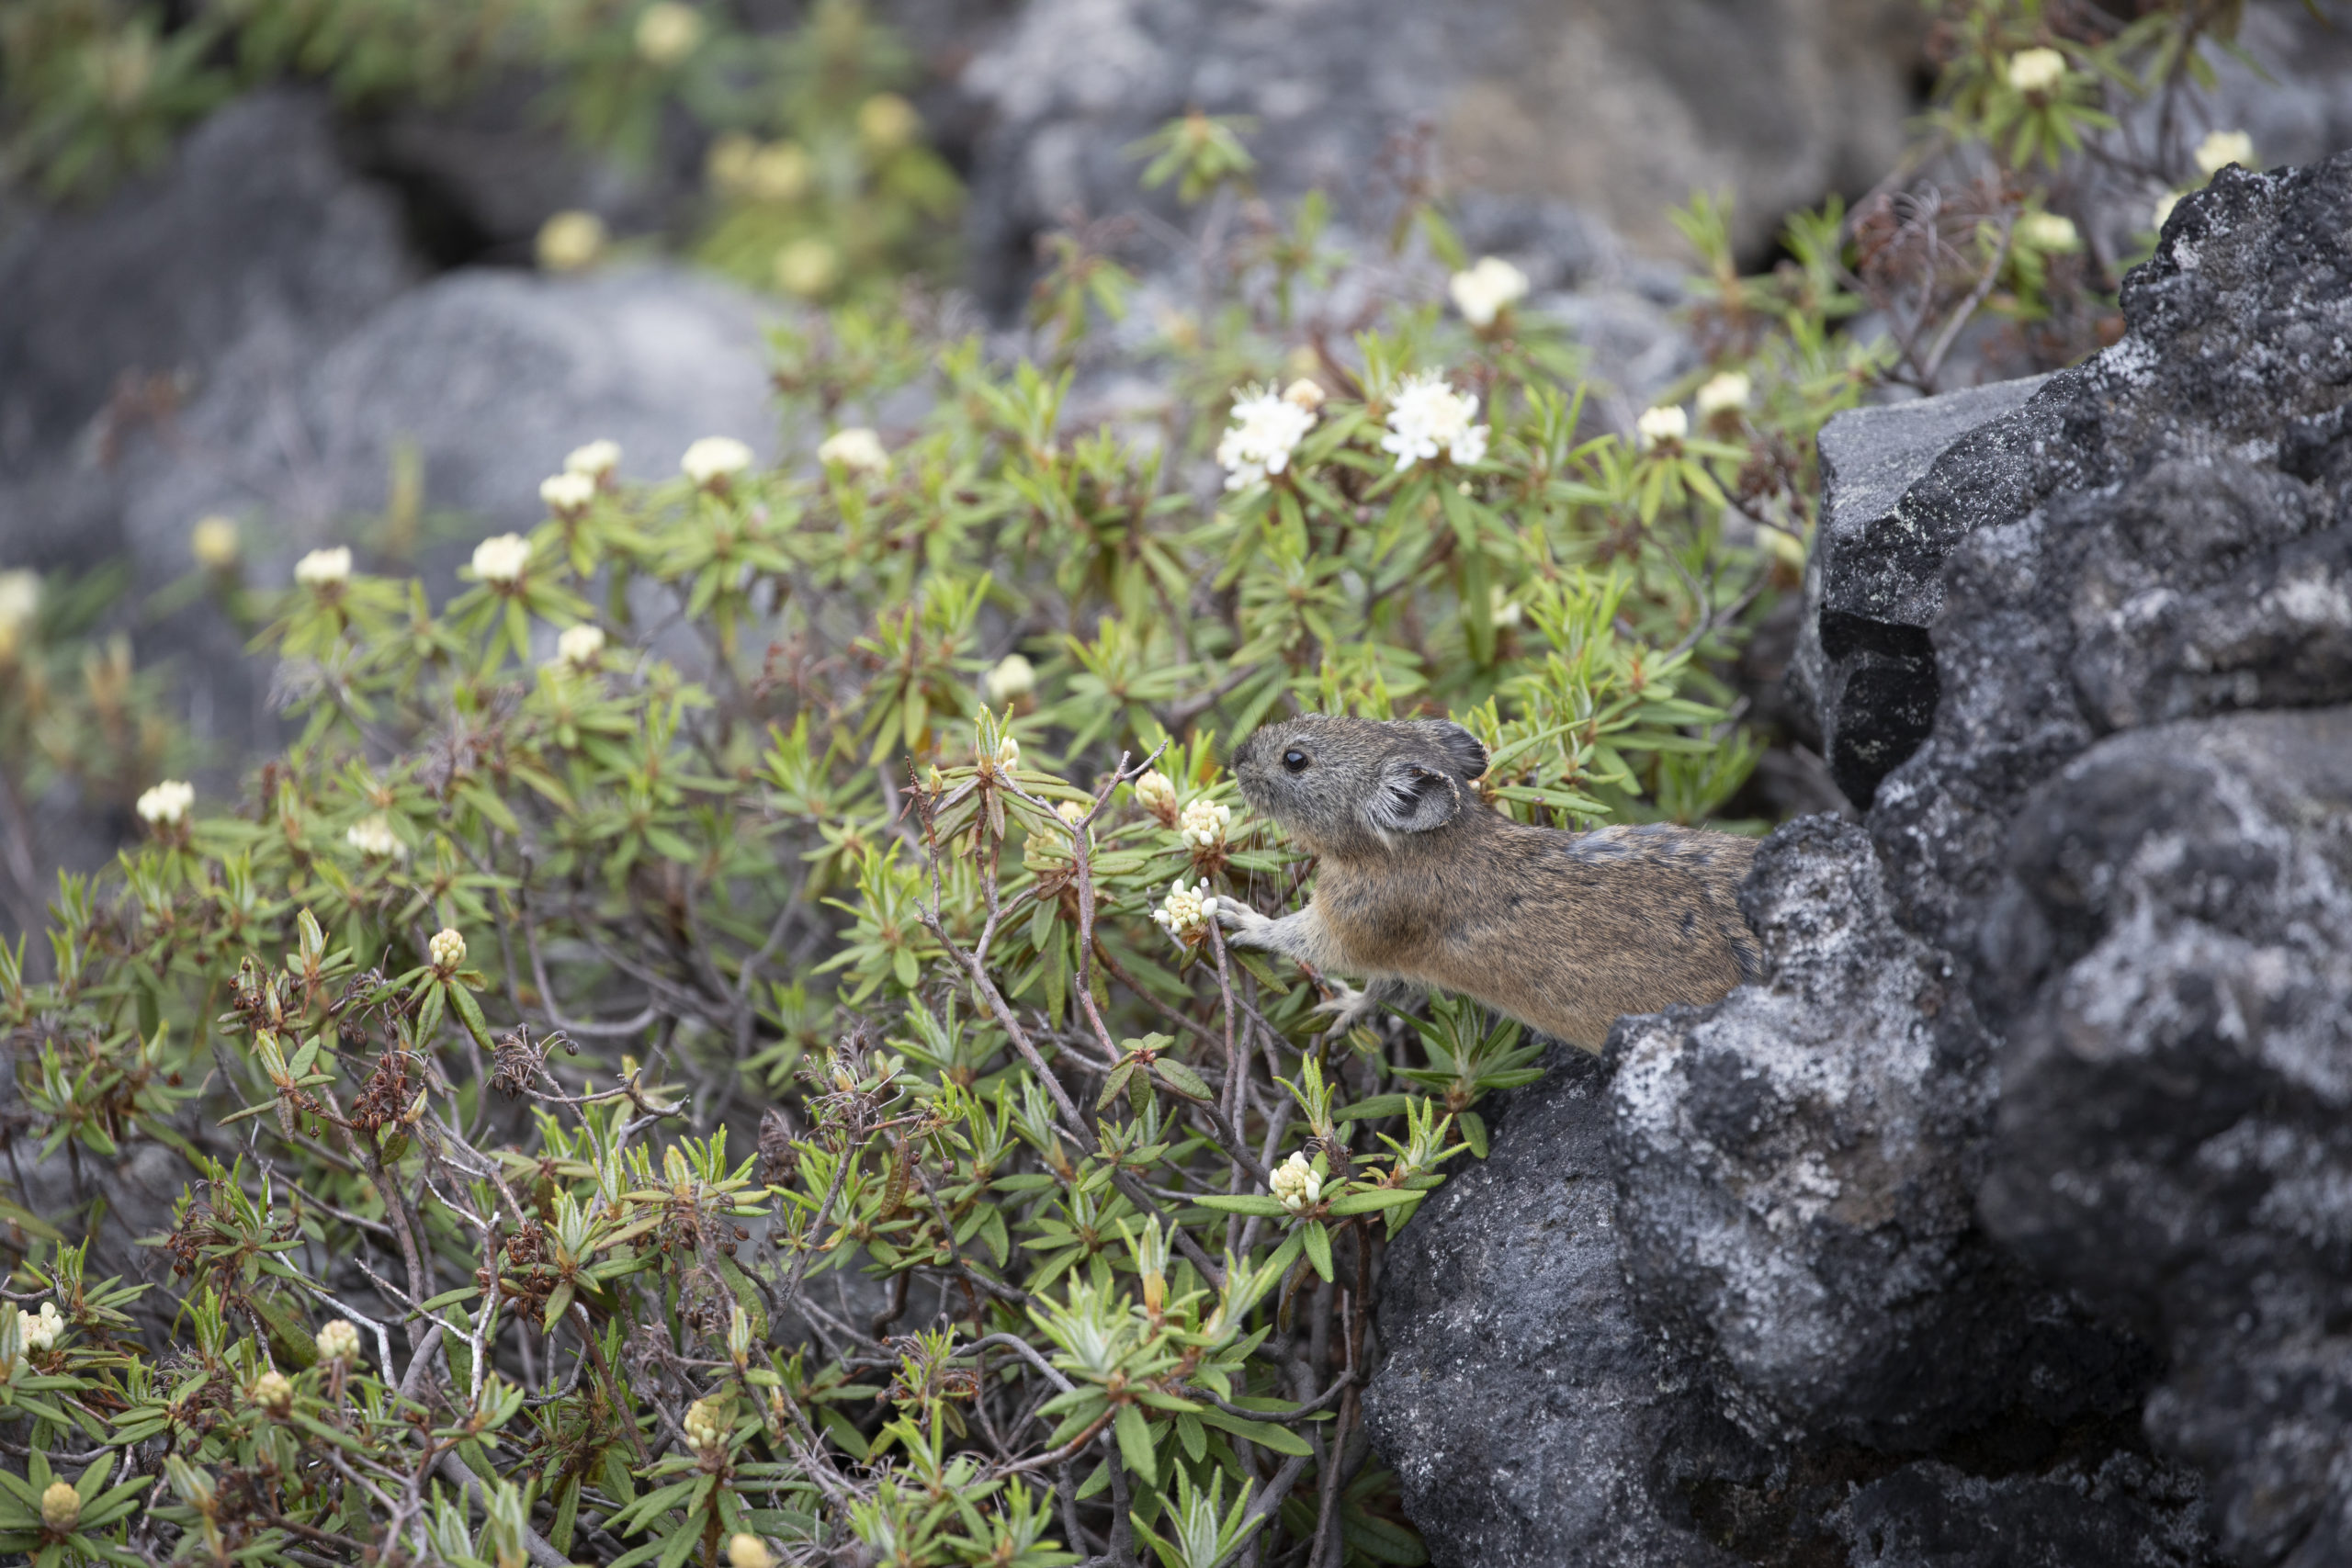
(2175, 1123)
(2123, 1512)
(253, 248)
(1795, 1172)
(1614, 108)
(489, 377)
(1530, 1416)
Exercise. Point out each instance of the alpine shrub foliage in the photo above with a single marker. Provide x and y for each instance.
(713, 1043)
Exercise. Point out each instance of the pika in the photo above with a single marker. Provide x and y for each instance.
(1419, 883)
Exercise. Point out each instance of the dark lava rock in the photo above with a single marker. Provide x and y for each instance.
(1795, 1171)
(2176, 1121)
(1529, 1415)
(2123, 1513)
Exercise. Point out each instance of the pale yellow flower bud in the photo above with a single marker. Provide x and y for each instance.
(447, 949)
(61, 1507)
(274, 1393)
(667, 32)
(1014, 676)
(748, 1551)
(213, 542)
(569, 242)
(339, 1341)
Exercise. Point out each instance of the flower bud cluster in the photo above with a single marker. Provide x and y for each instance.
(1294, 1184)
(706, 1426)
(447, 949)
(1202, 825)
(41, 1328)
(1186, 912)
(339, 1342)
(1156, 793)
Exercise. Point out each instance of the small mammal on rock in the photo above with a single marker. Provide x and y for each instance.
(1417, 881)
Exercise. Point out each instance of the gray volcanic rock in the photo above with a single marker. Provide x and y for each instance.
(1795, 1171)
(2123, 1513)
(1530, 1416)
(2174, 1131)
(1601, 107)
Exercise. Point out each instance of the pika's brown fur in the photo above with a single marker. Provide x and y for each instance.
(1419, 882)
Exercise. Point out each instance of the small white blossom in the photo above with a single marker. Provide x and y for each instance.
(339, 1341)
(373, 837)
(667, 32)
(567, 493)
(714, 458)
(1013, 677)
(1304, 394)
(580, 646)
(2165, 204)
(1426, 414)
(502, 557)
(1204, 823)
(1008, 752)
(1661, 424)
(2048, 231)
(213, 542)
(324, 568)
(855, 449)
(2222, 148)
(42, 1329)
(596, 459)
(1483, 291)
(2036, 70)
(1186, 912)
(167, 803)
(448, 948)
(1157, 794)
(1294, 1184)
(274, 1392)
(1727, 392)
(1267, 427)
(1501, 609)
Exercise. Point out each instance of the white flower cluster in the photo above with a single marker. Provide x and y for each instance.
(2222, 148)
(580, 645)
(167, 803)
(1294, 1184)
(1156, 793)
(339, 1341)
(712, 460)
(1204, 823)
(1725, 393)
(1008, 752)
(324, 568)
(1014, 676)
(857, 449)
(42, 1328)
(1425, 415)
(567, 494)
(1267, 427)
(1483, 291)
(2036, 70)
(448, 948)
(596, 459)
(1186, 912)
(1661, 424)
(373, 837)
(501, 558)
(705, 1429)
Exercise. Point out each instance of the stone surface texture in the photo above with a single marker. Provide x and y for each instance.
(2010, 1221)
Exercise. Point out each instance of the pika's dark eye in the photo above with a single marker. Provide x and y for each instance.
(1294, 760)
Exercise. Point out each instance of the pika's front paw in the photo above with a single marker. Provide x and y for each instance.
(1242, 921)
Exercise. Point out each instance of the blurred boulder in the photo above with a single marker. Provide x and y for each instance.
(253, 248)
(1614, 108)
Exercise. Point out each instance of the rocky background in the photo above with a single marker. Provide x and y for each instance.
(2010, 1223)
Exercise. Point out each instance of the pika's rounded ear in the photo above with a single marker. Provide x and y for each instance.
(1462, 752)
(1410, 798)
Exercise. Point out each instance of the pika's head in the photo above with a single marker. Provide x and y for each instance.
(1351, 785)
